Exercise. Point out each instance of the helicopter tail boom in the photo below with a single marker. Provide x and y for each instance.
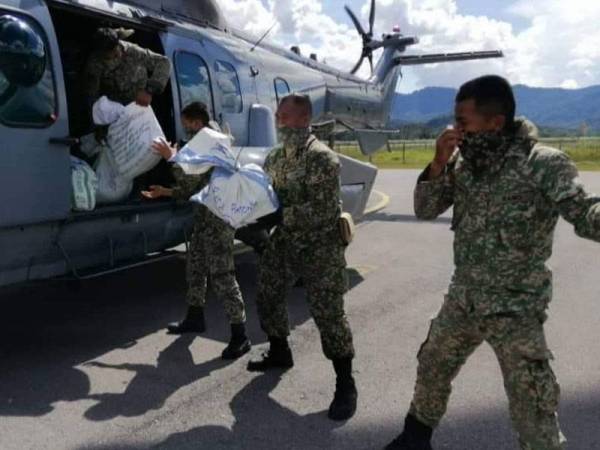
(413, 60)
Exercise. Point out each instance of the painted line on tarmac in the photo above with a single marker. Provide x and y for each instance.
(382, 203)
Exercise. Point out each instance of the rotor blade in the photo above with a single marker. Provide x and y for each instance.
(412, 60)
(357, 66)
(355, 21)
(370, 56)
(372, 17)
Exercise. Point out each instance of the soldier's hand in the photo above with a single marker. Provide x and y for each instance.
(445, 145)
(156, 191)
(272, 220)
(143, 98)
(253, 235)
(164, 148)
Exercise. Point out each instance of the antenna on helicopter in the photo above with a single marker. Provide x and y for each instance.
(263, 36)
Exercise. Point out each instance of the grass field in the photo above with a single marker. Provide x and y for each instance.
(417, 154)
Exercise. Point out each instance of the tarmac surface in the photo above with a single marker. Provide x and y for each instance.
(93, 368)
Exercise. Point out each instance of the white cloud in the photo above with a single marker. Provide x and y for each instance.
(304, 24)
(569, 84)
(561, 47)
(249, 15)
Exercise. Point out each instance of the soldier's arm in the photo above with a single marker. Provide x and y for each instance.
(158, 65)
(559, 180)
(267, 165)
(434, 196)
(323, 192)
(187, 185)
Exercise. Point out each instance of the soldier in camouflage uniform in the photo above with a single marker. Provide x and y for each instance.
(306, 243)
(210, 252)
(123, 71)
(508, 192)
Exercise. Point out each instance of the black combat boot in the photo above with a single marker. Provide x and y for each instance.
(193, 322)
(416, 436)
(239, 343)
(279, 356)
(343, 405)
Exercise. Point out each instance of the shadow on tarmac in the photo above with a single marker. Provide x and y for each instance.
(261, 423)
(152, 384)
(47, 330)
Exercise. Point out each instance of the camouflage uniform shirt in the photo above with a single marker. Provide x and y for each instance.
(504, 223)
(308, 187)
(121, 79)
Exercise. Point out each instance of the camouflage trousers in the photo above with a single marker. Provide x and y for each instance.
(519, 344)
(321, 266)
(210, 256)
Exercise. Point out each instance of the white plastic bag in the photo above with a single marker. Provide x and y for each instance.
(112, 187)
(239, 197)
(130, 139)
(85, 184)
(89, 146)
(208, 148)
(105, 111)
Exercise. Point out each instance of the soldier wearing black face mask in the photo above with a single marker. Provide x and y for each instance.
(507, 191)
(306, 243)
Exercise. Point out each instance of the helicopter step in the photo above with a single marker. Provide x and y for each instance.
(95, 272)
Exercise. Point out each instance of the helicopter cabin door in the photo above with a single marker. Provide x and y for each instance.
(34, 148)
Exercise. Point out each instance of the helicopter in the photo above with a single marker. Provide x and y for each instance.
(240, 78)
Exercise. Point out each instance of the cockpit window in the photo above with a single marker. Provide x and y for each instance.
(27, 90)
(282, 88)
(193, 80)
(229, 87)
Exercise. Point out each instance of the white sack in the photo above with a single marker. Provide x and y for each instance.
(89, 146)
(105, 111)
(130, 139)
(215, 126)
(207, 149)
(112, 187)
(239, 197)
(85, 183)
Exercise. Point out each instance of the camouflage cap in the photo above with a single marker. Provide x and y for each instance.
(105, 39)
(124, 33)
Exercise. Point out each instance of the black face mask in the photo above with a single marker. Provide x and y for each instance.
(480, 150)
